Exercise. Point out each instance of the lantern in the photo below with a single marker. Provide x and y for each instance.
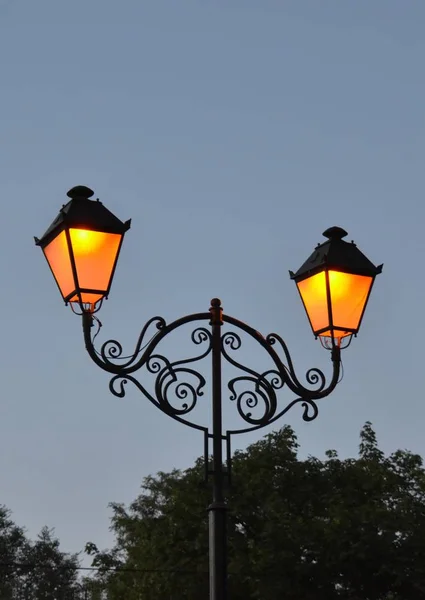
(82, 246)
(335, 284)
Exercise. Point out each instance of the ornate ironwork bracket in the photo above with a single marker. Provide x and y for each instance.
(178, 384)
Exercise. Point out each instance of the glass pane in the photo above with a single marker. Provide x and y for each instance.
(337, 334)
(313, 293)
(349, 294)
(87, 298)
(57, 255)
(94, 253)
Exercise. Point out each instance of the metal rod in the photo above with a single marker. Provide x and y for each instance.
(217, 509)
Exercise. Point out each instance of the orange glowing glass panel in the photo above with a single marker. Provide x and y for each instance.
(313, 293)
(87, 298)
(95, 254)
(57, 254)
(348, 294)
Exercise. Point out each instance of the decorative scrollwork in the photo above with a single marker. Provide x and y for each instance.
(263, 396)
(257, 400)
(201, 335)
(307, 405)
(168, 384)
(112, 350)
(177, 385)
(119, 391)
(314, 376)
(232, 339)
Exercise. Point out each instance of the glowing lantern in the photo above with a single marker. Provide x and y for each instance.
(82, 247)
(335, 283)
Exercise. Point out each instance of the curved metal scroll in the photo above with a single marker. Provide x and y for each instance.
(178, 385)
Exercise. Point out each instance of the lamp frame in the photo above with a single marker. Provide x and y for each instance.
(331, 327)
(84, 214)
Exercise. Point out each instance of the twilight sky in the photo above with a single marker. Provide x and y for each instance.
(232, 133)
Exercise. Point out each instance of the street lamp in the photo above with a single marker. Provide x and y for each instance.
(82, 247)
(335, 284)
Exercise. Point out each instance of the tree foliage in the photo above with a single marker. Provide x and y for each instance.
(350, 529)
(34, 570)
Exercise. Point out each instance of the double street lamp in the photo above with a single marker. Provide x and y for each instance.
(82, 247)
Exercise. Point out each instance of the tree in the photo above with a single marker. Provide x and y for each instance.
(34, 570)
(331, 529)
(12, 544)
(51, 574)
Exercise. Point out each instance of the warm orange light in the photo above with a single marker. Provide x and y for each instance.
(348, 295)
(94, 255)
(86, 242)
(82, 245)
(57, 254)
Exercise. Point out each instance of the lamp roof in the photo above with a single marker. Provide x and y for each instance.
(82, 213)
(336, 254)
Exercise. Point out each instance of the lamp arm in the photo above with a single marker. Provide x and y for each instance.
(111, 350)
(313, 375)
(287, 371)
(178, 384)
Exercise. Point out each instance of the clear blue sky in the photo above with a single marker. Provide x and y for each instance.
(233, 133)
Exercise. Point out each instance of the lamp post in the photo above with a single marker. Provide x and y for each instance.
(82, 247)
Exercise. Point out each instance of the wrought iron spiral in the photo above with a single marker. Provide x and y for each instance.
(314, 376)
(177, 385)
(232, 339)
(262, 396)
(307, 405)
(112, 350)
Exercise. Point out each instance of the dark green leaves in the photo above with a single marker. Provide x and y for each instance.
(351, 529)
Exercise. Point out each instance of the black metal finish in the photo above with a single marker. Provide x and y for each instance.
(181, 382)
(82, 213)
(217, 509)
(80, 192)
(337, 255)
(178, 386)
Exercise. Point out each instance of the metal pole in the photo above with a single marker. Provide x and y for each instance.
(217, 509)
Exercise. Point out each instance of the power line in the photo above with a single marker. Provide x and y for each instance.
(23, 565)
(16, 565)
